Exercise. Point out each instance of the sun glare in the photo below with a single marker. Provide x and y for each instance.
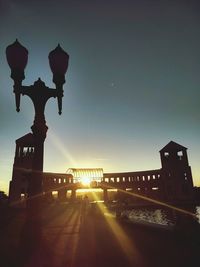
(85, 180)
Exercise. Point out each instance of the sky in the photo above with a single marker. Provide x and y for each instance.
(131, 87)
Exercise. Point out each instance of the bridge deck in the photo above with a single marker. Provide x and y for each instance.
(98, 240)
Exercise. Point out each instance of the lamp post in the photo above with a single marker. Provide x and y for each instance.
(17, 57)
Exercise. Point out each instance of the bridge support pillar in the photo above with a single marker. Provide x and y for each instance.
(62, 194)
(73, 195)
(48, 196)
(121, 194)
(105, 195)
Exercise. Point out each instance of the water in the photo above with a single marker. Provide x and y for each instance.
(198, 213)
(155, 216)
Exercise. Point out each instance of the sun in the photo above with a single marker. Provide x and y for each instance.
(85, 180)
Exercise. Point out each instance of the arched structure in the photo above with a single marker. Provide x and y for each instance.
(94, 174)
(171, 183)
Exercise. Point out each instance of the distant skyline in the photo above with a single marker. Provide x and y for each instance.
(132, 85)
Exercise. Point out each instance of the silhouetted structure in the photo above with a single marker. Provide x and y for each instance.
(172, 183)
(3, 199)
(22, 168)
(197, 194)
(176, 173)
(92, 174)
(17, 58)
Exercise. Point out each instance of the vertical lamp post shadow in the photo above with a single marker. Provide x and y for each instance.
(17, 57)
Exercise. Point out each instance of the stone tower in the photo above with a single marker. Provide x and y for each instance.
(176, 173)
(22, 169)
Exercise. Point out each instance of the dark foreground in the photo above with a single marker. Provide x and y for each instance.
(62, 238)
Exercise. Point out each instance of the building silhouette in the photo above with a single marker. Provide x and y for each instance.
(171, 183)
(176, 172)
(22, 168)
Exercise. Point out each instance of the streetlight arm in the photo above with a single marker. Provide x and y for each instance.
(40, 93)
(31, 91)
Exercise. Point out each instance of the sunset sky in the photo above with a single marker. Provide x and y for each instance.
(133, 82)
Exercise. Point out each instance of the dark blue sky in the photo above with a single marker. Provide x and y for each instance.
(131, 87)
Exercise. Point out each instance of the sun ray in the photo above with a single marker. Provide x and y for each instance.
(153, 201)
(62, 149)
(127, 245)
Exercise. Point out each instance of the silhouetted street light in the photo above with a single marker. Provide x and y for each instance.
(17, 57)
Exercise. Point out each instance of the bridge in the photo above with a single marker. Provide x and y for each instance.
(171, 183)
(148, 183)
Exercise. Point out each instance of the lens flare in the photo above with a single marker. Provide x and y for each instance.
(85, 180)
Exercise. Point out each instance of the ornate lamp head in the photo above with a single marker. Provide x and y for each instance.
(17, 58)
(58, 61)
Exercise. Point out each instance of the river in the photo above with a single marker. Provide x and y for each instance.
(158, 216)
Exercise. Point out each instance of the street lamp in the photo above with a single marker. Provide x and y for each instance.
(17, 57)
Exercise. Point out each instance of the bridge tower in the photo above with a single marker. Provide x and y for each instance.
(176, 173)
(22, 168)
